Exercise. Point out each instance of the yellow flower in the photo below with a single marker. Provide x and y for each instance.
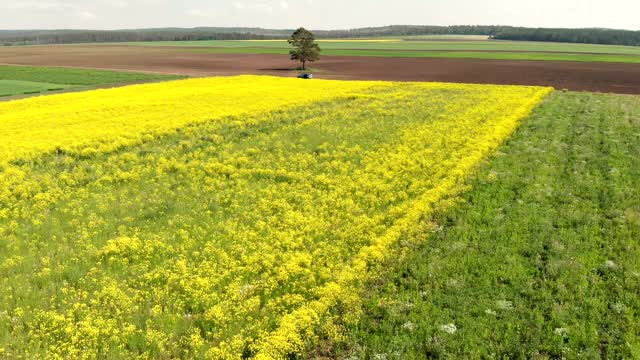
(225, 216)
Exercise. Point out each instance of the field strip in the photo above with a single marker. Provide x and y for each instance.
(294, 328)
(443, 54)
(245, 229)
(112, 118)
(545, 240)
(20, 87)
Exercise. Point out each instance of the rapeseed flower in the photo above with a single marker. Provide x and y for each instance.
(223, 218)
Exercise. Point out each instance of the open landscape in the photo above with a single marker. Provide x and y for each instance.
(203, 61)
(17, 81)
(423, 192)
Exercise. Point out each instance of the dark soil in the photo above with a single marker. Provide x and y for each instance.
(579, 76)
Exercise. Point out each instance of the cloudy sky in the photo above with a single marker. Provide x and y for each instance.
(316, 14)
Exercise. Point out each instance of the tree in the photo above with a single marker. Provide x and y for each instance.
(305, 47)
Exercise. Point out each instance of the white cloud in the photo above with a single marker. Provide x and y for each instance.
(120, 4)
(196, 13)
(327, 14)
(34, 5)
(265, 7)
(86, 15)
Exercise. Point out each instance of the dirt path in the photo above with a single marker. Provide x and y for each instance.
(601, 77)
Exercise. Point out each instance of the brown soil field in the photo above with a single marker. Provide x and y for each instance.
(580, 76)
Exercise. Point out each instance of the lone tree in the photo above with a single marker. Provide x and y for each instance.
(306, 48)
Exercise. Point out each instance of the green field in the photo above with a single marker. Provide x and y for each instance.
(442, 54)
(540, 260)
(397, 44)
(19, 87)
(21, 80)
(73, 76)
(446, 37)
(419, 47)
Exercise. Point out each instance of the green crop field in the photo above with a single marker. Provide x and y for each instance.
(540, 260)
(446, 37)
(20, 80)
(419, 47)
(19, 87)
(539, 56)
(412, 44)
(72, 76)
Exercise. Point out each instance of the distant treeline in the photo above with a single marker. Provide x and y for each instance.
(30, 37)
(591, 36)
(412, 30)
(594, 36)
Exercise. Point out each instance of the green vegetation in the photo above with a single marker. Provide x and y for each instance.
(411, 44)
(19, 80)
(71, 76)
(418, 47)
(305, 48)
(18, 87)
(593, 36)
(445, 37)
(540, 260)
(442, 54)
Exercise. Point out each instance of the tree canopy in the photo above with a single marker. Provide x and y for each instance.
(305, 47)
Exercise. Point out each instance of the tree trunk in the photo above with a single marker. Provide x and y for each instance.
(304, 65)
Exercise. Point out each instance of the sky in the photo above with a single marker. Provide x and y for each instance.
(314, 14)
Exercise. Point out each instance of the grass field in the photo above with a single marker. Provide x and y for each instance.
(445, 37)
(411, 45)
(455, 49)
(442, 54)
(541, 258)
(223, 218)
(19, 80)
(17, 87)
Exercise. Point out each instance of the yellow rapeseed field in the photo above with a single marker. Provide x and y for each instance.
(223, 218)
(112, 118)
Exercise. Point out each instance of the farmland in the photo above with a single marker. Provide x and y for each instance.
(411, 44)
(545, 247)
(194, 200)
(420, 48)
(19, 87)
(202, 61)
(224, 217)
(21, 80)
(495, 55)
